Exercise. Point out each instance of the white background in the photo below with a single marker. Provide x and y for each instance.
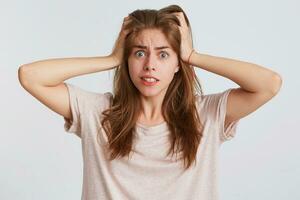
(39, 160)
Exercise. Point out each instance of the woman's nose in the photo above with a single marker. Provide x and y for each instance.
(149, 68)
(150, 62)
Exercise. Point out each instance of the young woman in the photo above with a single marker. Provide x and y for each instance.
(156, 136)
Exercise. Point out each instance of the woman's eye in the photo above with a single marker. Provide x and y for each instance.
(138, 53)
(165, 54)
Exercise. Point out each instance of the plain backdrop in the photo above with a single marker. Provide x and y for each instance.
(39, 160)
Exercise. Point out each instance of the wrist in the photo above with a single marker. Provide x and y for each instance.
(189, 58)
(114, 60)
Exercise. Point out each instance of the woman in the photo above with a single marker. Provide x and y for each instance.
(129, 137)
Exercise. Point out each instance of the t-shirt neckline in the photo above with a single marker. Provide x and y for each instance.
(159, 127)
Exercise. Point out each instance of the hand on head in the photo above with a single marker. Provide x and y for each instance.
(117, 52)
(186, 46)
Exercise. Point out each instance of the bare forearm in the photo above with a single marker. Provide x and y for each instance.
(51, 72)
(249, 76)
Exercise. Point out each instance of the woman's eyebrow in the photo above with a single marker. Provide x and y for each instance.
(144, 47)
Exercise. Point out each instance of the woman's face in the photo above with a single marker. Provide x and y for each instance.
(152, 55)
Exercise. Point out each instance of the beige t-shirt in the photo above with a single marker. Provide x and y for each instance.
(148, 174)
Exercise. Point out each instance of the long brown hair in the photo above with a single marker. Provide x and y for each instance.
(179, 104)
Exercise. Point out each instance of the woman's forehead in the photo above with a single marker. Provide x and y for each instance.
(151, 37)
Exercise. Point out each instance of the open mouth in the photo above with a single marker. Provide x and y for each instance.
(150, 80)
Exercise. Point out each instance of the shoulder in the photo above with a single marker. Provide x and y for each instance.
(88, 99)
(211, 98)
(208, 104)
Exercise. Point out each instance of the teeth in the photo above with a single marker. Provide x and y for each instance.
(149, 79)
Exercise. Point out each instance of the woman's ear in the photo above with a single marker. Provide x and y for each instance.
(177, 69)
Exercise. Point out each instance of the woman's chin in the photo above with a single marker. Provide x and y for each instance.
(149, 93)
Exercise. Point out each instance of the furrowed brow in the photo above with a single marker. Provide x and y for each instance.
(144, 47)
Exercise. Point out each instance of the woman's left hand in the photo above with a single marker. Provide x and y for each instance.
(186, 38)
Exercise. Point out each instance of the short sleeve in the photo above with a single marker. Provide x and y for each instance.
(73, 126)
(230, 131)
(214, 109)
(85, 107)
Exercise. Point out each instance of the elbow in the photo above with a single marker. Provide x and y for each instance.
(23, 75)
(276, 83)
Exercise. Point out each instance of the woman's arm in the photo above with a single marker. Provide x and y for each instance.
(52, 72)
(251, 77)
(45, 79)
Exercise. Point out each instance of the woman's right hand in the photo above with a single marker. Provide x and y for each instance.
(117, 53)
